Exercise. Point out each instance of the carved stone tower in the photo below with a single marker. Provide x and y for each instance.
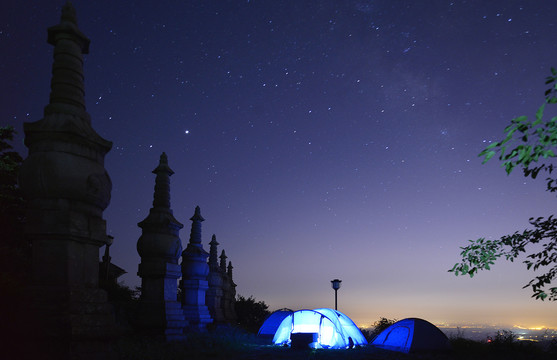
(231, 299)
(223, 258)
(214, 294)
(159, 247)
(226, 289)
(194, 277)
(67, 189)
(229, 290)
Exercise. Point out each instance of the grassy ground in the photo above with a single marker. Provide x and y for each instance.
(231, 344)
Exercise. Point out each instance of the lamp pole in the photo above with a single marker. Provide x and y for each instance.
(336, 285)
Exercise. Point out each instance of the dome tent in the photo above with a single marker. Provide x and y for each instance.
(411, 335)
(327, 328)
(271, 324)
(348, 327)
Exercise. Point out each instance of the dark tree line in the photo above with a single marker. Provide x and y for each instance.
(15, 251)
(251, 313)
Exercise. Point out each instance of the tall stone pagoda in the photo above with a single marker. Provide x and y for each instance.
(194, 277)
(213, 297)
(159, 248)
(67, 189)
(228, 290)
(231, 296)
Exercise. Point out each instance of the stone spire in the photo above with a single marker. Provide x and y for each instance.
(67, 93)
(229, 272)
(231, 296)
(213, 254)
(213, 297)
(161, 218)
(229, 290)
(64, 139)
(161, 199)
(67, 188)
(195, 234)
(223, 262)
(160, 247)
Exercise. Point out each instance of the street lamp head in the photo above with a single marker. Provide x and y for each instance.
(336, 284)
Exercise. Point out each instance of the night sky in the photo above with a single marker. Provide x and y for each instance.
(322, 139)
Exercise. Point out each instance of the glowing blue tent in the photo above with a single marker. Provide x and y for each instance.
(411, 335)
(319, 328)
(271, 324)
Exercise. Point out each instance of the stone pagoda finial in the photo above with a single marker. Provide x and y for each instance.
(213, 253)
(160, 218)
(67, 93)
(223, 261)
(194, 258)
(230, 267)
(161, 198)
(68, 13)
(195, 234)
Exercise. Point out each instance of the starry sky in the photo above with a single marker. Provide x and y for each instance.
(321, 139)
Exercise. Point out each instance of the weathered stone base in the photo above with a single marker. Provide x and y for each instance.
(164, 320)
(194, 306)
(213, 299)
(228, 307)
(198, 317)
(69, 323)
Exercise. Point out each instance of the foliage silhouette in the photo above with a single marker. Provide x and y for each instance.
(377, 327)
(124, 301)
(251, 313)
(12, 206)
(15, 251)
(537, 141)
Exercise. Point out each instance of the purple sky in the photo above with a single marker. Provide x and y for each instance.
(321, 139)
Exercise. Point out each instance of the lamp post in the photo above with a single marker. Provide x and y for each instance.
(336, 285)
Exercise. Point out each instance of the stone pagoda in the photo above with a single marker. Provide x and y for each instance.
(231, 296)
(159, 248)
(213, 298)
(229, 290)
(67, 189)
(194, 277)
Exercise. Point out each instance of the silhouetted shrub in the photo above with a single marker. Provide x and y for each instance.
(504, 337)
(124, 301)
(251, 313)
(376, 328)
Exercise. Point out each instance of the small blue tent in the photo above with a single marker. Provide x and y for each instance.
(328, 329)
(271, 324)
(411, 335)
